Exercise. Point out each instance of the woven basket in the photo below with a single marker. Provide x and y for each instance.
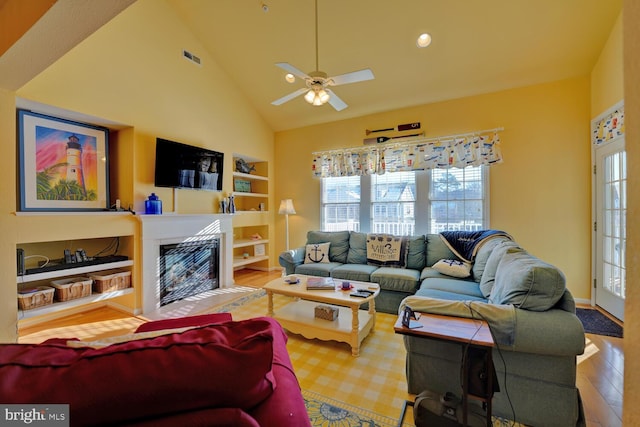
(43, 296)
(72, 288)
(112, 281)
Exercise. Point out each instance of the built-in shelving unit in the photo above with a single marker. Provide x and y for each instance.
(37, 252)
(251, 197)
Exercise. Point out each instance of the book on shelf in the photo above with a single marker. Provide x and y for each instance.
(320, 283)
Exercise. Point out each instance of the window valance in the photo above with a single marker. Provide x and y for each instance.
(410, 154)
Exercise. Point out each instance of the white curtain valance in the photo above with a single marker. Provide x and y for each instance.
(454, 151)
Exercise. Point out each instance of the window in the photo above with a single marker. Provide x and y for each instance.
(407, 203)
(456, 199)
(341, 203)
(393, 197)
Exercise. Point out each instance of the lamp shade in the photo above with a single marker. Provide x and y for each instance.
(286, 207)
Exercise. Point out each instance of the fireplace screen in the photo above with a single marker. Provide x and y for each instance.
(188, 269)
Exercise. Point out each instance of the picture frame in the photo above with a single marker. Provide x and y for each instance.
(242, 185)
(63, 165)
(259, 250)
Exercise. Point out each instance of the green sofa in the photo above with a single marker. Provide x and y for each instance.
(525, 301)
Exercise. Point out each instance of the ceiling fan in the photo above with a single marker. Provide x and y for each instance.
(317, 82)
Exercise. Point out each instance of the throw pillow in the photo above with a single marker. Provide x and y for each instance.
(181, 322)
(125, 338)
(317, 253)
(386, 250)
(453, 268)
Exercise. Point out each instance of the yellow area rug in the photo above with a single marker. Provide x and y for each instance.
(341, 390)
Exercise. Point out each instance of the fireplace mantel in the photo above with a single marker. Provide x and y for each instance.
(177, 228)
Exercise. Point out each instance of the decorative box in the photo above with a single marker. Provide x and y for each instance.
(35, 297)
(72, 288)
(326, 312)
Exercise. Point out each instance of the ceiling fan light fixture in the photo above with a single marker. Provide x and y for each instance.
(310, 96)
(317, 97)
(424, 40)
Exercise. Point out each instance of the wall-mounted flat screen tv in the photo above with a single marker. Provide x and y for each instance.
(185, 166)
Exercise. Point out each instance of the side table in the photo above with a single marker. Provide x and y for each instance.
(469, 333)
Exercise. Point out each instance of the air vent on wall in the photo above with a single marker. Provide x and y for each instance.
(191, 57)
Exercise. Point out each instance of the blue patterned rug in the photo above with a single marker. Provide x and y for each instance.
(227, 307)
(326, 412)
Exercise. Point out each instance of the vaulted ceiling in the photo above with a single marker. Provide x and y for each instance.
(478, 47)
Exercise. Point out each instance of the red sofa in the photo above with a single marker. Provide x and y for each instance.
(219, 373)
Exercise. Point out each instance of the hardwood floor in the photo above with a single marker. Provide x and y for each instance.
(600, 372)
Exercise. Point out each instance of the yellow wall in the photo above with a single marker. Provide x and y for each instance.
(607, 86)
(130, 72)
(540, 194)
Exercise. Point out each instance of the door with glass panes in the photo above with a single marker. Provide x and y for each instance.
(610, 227)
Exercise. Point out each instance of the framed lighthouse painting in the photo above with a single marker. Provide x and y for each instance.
(62, 164)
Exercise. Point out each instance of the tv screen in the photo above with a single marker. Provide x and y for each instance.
(185, 166)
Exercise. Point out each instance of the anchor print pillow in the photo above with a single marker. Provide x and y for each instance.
(317, 253)
(453, 267)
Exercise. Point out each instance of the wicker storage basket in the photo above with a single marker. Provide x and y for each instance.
(38, 298)
(72, 288)
(111, 281)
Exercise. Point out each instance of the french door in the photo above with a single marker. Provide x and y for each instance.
(611, 218)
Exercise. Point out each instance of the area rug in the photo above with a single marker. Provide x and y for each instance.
(239, 302)
(326, 412)
(597, 323)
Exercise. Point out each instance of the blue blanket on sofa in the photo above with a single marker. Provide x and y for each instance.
(465, 244)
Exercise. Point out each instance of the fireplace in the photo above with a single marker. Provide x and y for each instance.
(198, 253)
(187, 269)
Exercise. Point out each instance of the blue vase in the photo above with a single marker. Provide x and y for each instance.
(153, 205)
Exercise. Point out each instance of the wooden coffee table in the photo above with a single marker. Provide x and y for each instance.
(352, 324)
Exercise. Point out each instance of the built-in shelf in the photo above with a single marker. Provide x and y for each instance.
(240, 261)
(252, 215)
(243, 243)
(249, 176)
(244, 194)
(51, 308)
(72, 271)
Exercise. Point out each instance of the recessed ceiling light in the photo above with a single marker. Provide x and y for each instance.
(290, 78)
(424, 40)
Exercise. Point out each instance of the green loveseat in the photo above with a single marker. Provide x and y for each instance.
(525, 301)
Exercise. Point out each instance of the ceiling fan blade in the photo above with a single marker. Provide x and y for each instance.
(335, 101)
(354, 77)
(290, 96)
(293, 70)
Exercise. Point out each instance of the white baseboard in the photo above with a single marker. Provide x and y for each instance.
(584, 301)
